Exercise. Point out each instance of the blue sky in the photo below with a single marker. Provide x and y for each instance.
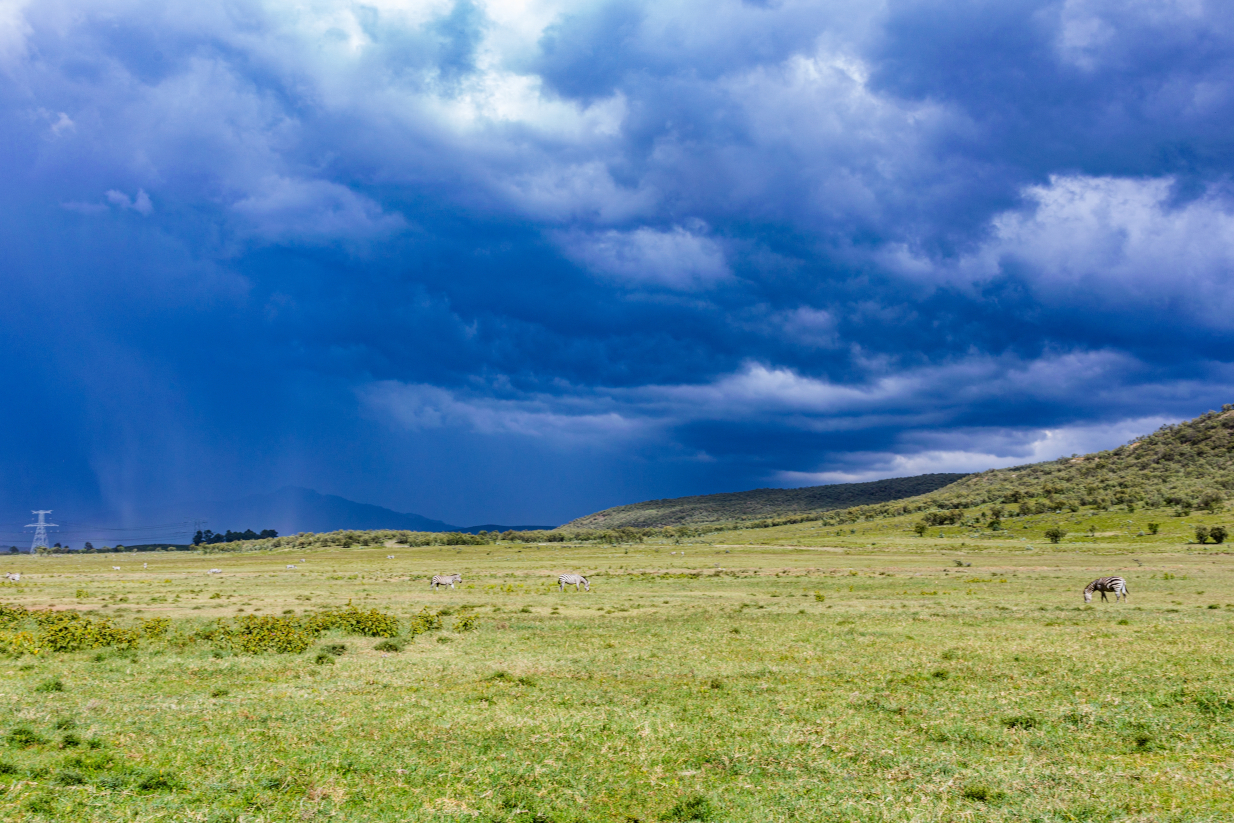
(518, 261)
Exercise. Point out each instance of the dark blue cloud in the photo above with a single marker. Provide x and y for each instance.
(488, 262)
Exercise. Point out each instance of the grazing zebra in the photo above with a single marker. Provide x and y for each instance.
(290, 566)
(445, 580)
(574, 580)
(1106, 584)
(115, 568)
(14, 576)
(215, 571)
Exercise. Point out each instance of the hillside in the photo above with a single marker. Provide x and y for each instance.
(1189, 465)
(760, 503)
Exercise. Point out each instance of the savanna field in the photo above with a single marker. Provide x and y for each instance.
(793, 673)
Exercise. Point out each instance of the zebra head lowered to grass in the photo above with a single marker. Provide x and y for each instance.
(445, 580)
(1106, 584)
(574, 580)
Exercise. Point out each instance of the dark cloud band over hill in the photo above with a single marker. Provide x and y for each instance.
(519, 262)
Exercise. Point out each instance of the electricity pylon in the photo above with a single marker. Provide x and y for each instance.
(40, 529)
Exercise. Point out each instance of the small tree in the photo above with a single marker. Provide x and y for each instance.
(1153, 528)
(1054, 534)
(1201, 534)
(920, 528)
(1218, 534)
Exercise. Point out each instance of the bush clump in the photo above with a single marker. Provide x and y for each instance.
(253, 634)
(155, 626)
(353, 620)
(11, 614)
(466, 623)
(70, 631)
(423, 622)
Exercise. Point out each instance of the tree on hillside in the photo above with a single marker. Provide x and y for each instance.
(1054, 534)
(1218, 534)
(1201, 534)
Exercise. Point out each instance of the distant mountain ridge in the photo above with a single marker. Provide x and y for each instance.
(293, 509)
(761, 503)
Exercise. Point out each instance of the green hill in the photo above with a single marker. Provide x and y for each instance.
(1189, 465)
(1186, 466)
(760, 504)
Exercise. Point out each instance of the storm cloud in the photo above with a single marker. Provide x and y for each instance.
(520, 261)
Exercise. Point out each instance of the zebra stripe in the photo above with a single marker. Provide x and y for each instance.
(1106, 584)
(574, 580)
(445, 580)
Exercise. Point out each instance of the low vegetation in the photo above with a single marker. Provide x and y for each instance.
(707, 680)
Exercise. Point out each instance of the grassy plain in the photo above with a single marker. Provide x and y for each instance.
(764, 675)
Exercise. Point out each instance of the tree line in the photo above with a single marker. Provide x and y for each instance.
(210, 538)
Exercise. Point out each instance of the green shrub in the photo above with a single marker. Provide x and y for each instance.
(1153, 528)
(53, 684)
(423, 622)
(1218, 534)
(253, 634)
(1201, 534)
(1055, 534)
(353, 620)
(389, 645)
(155, 626)
(466, 623)
(69, 631)
(11, 614)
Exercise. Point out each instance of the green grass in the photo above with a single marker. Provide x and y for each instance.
(816, 679)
